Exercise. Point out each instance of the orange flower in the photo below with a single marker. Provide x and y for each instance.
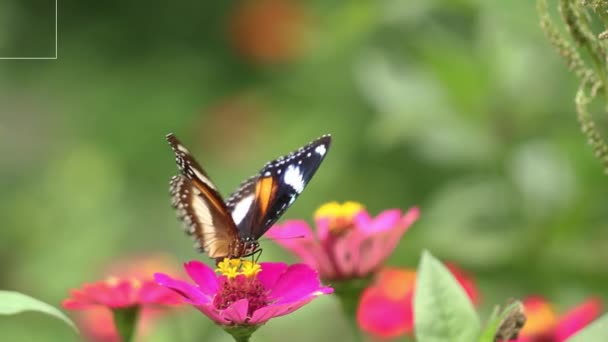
(544, 325)
(268, 31)
(386, 308)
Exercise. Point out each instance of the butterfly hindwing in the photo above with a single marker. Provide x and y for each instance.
(200, 206)
(261, 200)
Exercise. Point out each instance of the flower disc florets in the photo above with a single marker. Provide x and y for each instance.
(238, 281)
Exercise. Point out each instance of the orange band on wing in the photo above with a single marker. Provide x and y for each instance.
(264, 192)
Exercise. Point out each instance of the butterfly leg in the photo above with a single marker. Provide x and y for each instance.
(255, 255)
(258, 255)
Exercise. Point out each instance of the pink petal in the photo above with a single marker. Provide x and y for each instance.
(203, 276)
(237, 312)
(322, 225)
(346, 253)
(298, 281)
(411, 216)
(372, 252)
(271, 272)
(384, 317)
(383, 243)
(71, 304)
(307, 248)
(124, 294)
(152, 293)
(209, 311)
(101, 294)
(578, 318)
(190, 293)
(262, 315)
(363, 219)
(290, 231)
(386, 220)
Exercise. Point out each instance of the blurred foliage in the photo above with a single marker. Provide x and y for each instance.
(460, 107)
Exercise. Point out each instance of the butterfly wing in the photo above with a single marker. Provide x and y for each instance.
(261, 200)
(200, 206)
(241, 202)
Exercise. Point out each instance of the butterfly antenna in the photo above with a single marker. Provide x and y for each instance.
(283, 238)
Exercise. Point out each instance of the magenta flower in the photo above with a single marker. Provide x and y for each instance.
(349, 242)
(246, 294)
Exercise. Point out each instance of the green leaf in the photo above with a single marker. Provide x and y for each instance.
(594, 332)
(14, 302)
(442, 309)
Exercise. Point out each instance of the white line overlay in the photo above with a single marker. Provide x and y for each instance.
(56, 38)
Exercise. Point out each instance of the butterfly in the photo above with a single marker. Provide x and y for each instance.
(231, 229)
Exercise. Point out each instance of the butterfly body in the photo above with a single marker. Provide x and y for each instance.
(232, 228)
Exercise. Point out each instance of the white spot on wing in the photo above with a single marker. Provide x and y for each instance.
(321, 150)
(181, 148)
(293, 177)
(241, 208)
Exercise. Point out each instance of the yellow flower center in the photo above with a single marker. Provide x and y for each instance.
(234, 267)
(340, 216)
(250, 268)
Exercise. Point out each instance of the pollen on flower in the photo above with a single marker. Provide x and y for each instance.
(234, 267)
(340, 216)
(241, 287)
(250, 268)
(112, 281)
(228, 267)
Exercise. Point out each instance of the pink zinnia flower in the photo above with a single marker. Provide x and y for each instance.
(130, 287)
(386, 307)
(544, 325)
(115, 293)
(349, 242)
(246, 293)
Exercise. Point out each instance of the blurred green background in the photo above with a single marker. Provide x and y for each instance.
(460, 107)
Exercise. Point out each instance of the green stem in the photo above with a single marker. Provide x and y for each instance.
(241, 333)
(349, 292)
(125, 321)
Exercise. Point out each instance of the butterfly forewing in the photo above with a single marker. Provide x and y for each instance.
(188, 166)
(259, 202)
(241, 202)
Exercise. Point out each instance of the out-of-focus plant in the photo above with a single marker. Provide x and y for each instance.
(585, 52)
(12, 303)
